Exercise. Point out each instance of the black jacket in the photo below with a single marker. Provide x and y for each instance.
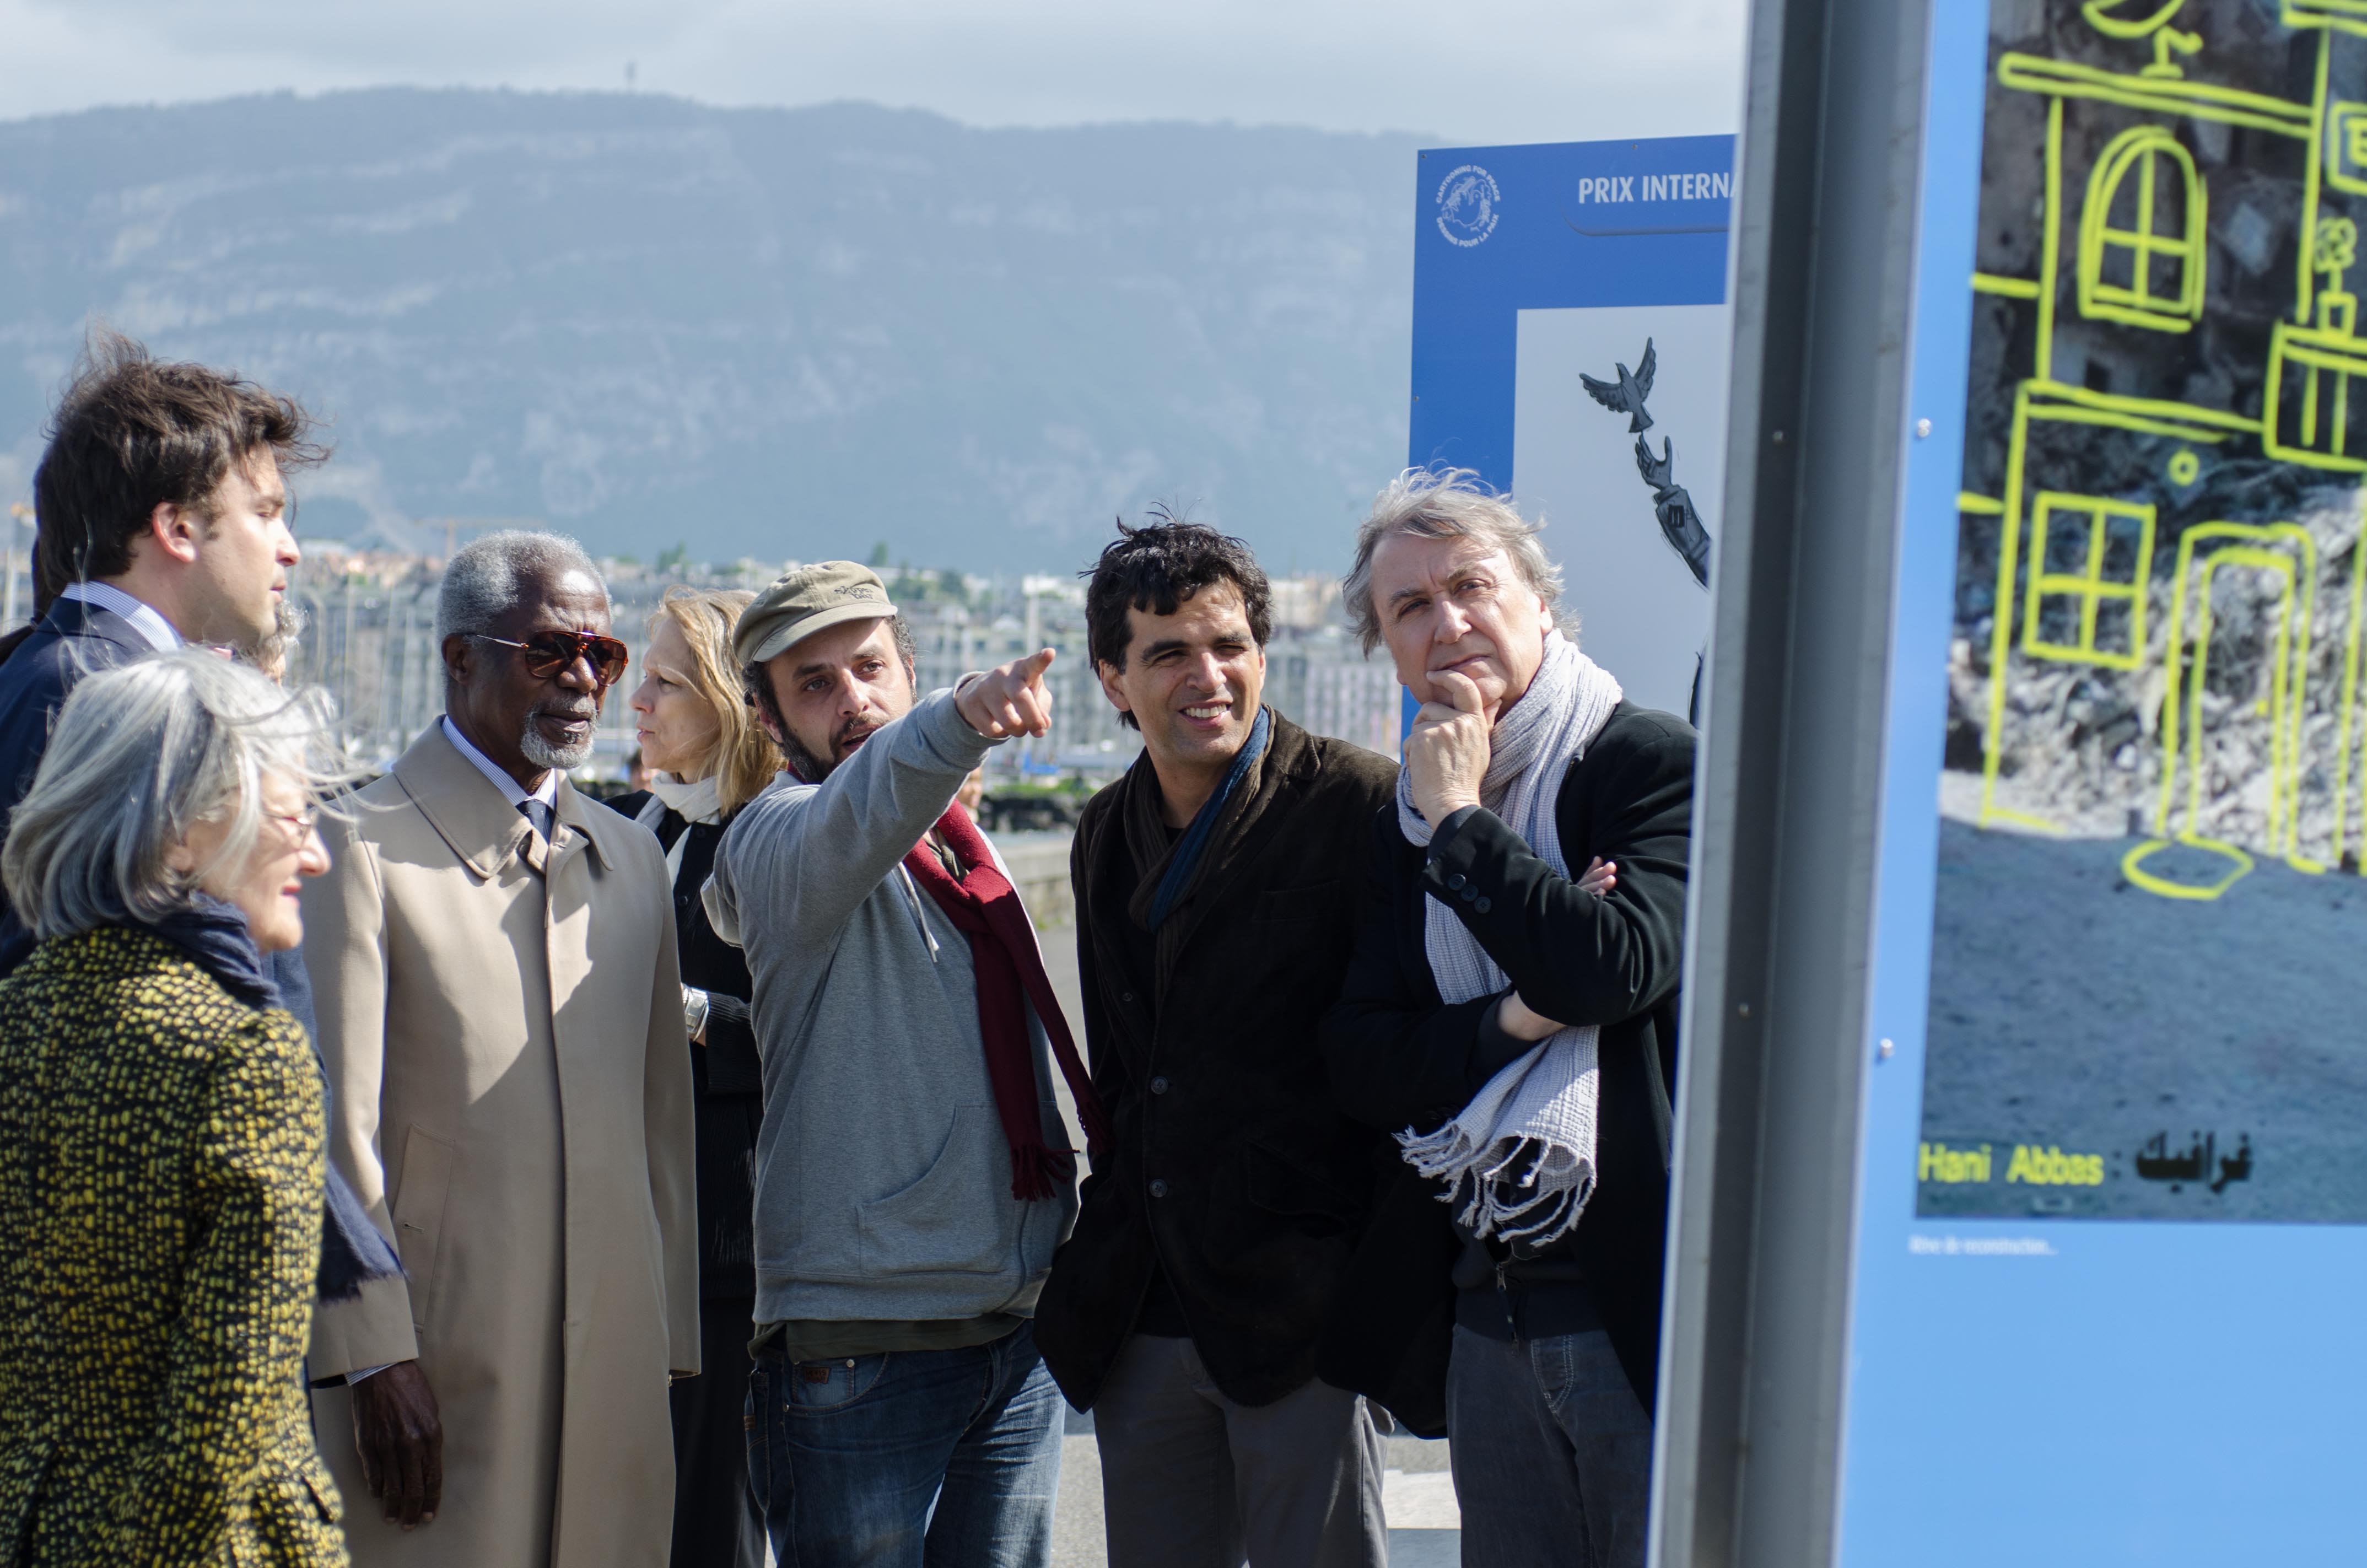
(1212, 1080)
(1399, 1057)
(41, 667)
(726, 1074)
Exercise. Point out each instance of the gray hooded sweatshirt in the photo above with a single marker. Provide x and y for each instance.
(883, 1178)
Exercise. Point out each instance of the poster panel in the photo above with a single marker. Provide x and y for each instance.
(2113, 1171)
(1570, 342)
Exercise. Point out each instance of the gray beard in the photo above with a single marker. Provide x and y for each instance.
(542, 753)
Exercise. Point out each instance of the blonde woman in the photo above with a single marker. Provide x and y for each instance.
(707, 759)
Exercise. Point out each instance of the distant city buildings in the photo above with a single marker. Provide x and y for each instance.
(372, 642)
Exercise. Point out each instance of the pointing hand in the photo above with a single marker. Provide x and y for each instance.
(1010, 700)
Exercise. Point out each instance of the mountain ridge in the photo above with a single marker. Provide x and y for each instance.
(772, 332)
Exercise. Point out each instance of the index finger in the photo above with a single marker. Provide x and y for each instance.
(1033, 668)
(1460, 690)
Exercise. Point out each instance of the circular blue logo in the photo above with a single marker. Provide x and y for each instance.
(1467, 199)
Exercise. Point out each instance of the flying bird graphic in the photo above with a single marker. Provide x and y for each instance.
(1626, 394)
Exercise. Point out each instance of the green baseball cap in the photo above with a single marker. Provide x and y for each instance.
(804, 601)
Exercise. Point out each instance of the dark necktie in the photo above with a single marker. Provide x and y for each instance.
(537, 815)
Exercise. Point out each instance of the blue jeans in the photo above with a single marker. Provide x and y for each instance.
(923, 1459)
(1552, 1452)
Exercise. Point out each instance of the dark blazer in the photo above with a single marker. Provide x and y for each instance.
(72, 640)
(1399, 1057)
(1212, 1080)
(727, 1076)
(161, 1147)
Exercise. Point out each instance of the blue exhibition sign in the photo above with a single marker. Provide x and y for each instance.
(2113, 1183)
(1571, 342)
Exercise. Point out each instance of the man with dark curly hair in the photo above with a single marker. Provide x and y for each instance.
(1215, 888)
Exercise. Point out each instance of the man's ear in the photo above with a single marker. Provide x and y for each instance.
(1107, 674)
(761, 712)
(460, 658)
(177, 531)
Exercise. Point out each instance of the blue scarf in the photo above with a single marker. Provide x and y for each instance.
(1188, 849)
(215, 936)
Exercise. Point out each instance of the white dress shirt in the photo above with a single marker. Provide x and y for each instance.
(546, 797)
(153, 628)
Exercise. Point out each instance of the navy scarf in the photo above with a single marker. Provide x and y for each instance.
(214, 934)
(1185, 860)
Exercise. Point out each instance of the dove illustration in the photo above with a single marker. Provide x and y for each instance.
(1626, 394)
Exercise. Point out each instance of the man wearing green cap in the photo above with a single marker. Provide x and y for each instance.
(913, 1174)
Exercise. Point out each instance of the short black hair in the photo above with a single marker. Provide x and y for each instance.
(134, 433)
(1155, 567)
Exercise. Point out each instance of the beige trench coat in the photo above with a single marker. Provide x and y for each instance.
(512, 1100)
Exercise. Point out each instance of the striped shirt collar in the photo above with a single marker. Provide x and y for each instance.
(153, 628)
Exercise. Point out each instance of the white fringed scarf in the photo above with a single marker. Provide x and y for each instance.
(1519, 1160)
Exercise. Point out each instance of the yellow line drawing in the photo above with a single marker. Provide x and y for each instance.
(2143, 407)
(2335, 16)
(2098, 16)
(2010, 288)
(2166, 39)
(2345, 153)
(2288, 669)
(2311, 174)
(2142, 157)
(2199, 100)
(2140, 252)
(2090, 591)
(2051, 240)
(2349, 693)
(2320, 431)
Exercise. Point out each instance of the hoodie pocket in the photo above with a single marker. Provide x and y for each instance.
(954, 1219)
(419, 1203)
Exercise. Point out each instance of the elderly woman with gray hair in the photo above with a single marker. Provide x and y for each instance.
(1512, 1020)
(163, 1130)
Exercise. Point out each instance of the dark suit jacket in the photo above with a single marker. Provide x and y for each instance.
(1400, 1057)
(726, 1073)
(71, 641)
(1214, 1090)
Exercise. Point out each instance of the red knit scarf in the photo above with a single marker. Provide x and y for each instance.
(986, 909)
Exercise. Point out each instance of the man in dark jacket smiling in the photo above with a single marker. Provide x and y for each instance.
(1216, 885)
(1511, 1017)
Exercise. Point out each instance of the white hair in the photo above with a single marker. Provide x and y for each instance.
(1444, 503)
(141, 754)
(486, 577)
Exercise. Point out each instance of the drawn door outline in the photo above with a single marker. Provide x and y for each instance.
(2211, 546)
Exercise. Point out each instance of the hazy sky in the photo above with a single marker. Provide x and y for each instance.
(1467, 71)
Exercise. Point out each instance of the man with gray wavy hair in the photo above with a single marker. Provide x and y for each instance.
(494, 969)
(1510, 1015)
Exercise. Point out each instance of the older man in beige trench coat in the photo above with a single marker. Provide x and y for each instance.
(502, 1024)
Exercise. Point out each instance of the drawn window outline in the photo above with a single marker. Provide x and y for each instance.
(2089, 589)
(2140, 153)
(2346, 146)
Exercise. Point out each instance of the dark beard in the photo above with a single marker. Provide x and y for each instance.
(810, 768)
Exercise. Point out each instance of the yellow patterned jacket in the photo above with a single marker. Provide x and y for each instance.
(161, 1157)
